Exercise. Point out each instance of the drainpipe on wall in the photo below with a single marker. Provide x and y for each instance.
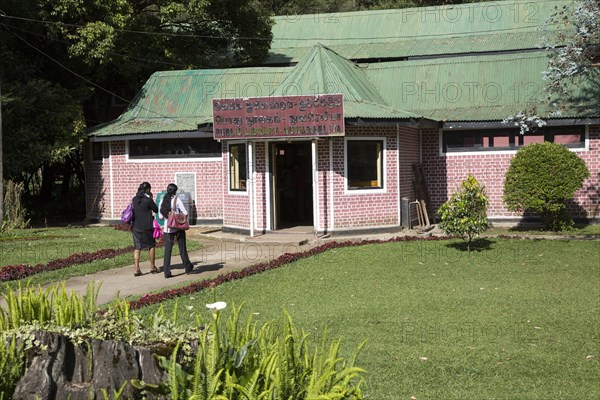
(331, 211)
(420, 145)
(268, 196)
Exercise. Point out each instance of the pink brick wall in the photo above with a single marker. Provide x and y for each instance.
(215, 201)
(236, 205)
(106, 199)
(260, 185)
(445, 173)
(340, 210)
(107, 196)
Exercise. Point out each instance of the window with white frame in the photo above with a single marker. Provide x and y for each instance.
(237, 167)
(364, 160)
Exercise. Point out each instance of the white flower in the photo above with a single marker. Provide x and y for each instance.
(219, 305)
(190, 307)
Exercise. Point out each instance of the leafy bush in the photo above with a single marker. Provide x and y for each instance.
(465, 213)
(541, 178)
(213, 360)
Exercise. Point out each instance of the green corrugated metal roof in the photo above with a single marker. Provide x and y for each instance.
(457, 88)
(363, 109)
(181, 100)
(450, 29)
(474, 88)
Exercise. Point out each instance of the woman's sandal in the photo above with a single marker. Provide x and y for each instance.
(138, 273)
(154, 270)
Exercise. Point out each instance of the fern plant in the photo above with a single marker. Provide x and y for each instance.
(55, 305)
(243, 361)
(12, 365)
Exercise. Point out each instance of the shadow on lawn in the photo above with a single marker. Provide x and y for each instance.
(479, 244)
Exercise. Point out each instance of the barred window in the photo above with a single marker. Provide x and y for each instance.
(510, 139)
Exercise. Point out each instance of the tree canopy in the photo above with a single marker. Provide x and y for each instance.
(64, 61)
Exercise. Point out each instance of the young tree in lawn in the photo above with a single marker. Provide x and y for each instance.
(465, 213)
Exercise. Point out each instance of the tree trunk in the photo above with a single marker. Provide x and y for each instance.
(66, 183)
(47, 182)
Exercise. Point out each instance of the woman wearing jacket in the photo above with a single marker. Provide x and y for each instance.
(143, 206)
(172, 202)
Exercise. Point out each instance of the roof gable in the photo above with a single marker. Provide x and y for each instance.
(322, 70)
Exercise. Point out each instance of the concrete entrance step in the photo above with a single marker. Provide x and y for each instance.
(299, 236)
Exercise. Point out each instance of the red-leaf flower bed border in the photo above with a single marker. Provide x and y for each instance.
(13, 272)
(20, 271)
(149, 299)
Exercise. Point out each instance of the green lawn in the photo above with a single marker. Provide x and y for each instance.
(517, 320)
(579, 230)
(34, 246)
(39, 246)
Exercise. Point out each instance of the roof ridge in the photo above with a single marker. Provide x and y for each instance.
(322, 70)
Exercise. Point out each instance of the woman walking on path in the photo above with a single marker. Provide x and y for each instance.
(172, 202)
(143, 206)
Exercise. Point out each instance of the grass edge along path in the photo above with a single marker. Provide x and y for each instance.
(282, 260)
(153, 298)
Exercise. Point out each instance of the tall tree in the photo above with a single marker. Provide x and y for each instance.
(64, 61)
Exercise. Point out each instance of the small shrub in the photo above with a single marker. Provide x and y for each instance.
(541, 178)
(465, 213)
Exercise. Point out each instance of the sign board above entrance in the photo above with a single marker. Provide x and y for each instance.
(278, 117)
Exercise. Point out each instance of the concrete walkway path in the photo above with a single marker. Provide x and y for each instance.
(219, 254)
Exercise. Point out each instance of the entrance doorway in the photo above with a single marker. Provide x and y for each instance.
(292, 189)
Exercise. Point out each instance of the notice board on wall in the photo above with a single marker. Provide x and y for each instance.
(272, 117)
(186, 184)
